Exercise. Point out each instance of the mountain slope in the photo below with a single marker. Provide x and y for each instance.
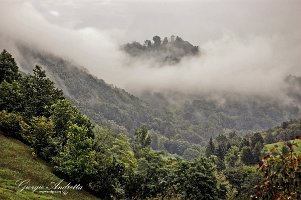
(18, 163)
(190, 120)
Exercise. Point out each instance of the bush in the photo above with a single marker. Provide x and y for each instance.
(11, 124)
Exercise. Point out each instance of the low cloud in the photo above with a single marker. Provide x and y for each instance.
(232, 61)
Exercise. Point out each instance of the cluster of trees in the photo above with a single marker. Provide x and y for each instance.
(288, 130)
(278, 174)
(236, 157)
(164, 52)
(235, 150)
(105, 162)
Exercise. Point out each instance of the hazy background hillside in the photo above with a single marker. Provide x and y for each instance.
(176, 119)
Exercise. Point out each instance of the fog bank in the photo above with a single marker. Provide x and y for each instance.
(246, 46)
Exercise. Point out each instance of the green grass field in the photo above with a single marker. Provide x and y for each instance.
(279, 145)
(18, 163)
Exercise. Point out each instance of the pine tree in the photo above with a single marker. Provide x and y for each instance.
(8, 68)
(210, 149)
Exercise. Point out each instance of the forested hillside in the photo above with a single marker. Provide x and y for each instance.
(176, 120)
(104, 162)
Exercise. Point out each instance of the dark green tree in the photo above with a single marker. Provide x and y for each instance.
(142, 140)
(210, 149)
(197, 180)
(39, 134)
(38, 93)
(243, 179)
(8, 68)
(11, 124)
(256, 151)
(77, 158)
(247, 156)
(11, 96)
(269, 138)
(222, 146)
(256, 138)
(232, 157)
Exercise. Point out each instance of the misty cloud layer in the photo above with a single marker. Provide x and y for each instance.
(246, 46)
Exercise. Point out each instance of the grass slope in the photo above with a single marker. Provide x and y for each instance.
(18, 163)
(278, 146)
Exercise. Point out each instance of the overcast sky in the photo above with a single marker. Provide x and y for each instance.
(197, 21)
(247, 45)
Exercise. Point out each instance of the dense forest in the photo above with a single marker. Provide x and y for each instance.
(113, 164)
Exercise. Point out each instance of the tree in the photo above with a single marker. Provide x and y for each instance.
(232, 157)
(247, 156)
(197, 180)
(11, 124)
(122, 151)
(222, 146)
(142, 140)
(77, 158)
(256, 138)
(39, 134)
(64, 114)
(157, 41)
(165, 41)
(281, 176)
(284, 125)
(151, 179)
(269, 138)
(256, 151)
(244, 143)
(113, 163)
(38, 93)
(10, 96)
(210, 149)
(243, 179)
(8, 68)
(148, 43)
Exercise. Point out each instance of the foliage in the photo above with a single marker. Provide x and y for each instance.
(18, 163)
(76, 160)
(243, 179)
(196, 180)
(11, 124)
(166, 52)
(11, 96)
(232, 157)
(210, 149)
(38, 94)
(281, 176)
(8, 68)
(247, 156)
(39, 134)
